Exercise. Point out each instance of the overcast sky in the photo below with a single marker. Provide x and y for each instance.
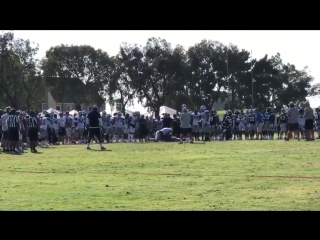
(300, 48)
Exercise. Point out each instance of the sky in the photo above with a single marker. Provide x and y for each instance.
(300, 48)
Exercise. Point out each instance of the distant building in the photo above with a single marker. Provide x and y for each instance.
(67, 105)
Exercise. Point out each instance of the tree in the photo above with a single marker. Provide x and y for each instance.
(292, 84)
(20, 83)
(239, 74)
(152, 71)
(266, 81)
(91, 66)
(314, 90)
(207, 72)
(120, 91)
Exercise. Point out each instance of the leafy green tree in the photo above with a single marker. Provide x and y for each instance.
(91, 66)
(20, 83)
(207, 72)
(153, 70)
(120, 91)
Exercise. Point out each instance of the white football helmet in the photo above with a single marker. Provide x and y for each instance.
(202, 108)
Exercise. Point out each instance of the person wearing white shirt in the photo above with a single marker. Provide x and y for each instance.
(81, 123)
(62, 128)
(55, 126)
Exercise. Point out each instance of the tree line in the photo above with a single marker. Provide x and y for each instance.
(157, 74)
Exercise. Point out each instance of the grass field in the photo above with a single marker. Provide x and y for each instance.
(238, 175)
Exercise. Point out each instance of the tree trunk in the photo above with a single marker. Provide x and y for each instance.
(232, 98)
(156, 110)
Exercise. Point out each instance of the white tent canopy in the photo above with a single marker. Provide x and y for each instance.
(74, 112)
(129, 112)
(54, 111)
(168, 110)
(314, 101)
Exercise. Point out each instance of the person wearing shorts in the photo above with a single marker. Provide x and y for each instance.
(260, 122)
(309, 121)
(5, 130)
(13, 122)
(293, 123)
(94, 121)
(62, 128)
(69, 123)
(32, 125)
(185, 126)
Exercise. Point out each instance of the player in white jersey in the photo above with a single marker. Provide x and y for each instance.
(69, 122)
(119, 127)
(74, 128)
(158, 123)
(205, 117)
(243, 125)
(50, 128)
(110, 129)
(55, 126)
(132, 128)
(62, 128)
(45, 124)
(196, 116)
(104, 124)
(81, 123)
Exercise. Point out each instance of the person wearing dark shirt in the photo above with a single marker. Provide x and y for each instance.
(14, 127)
(226, 127)
(33, 128)
(278, 125)
(176, 126)
(167, 121)
(94, 122)
(283, 123)
(143, 131)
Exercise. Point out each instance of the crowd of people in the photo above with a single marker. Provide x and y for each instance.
(21, 130)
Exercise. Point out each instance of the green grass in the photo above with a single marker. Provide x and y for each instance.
(211, 176)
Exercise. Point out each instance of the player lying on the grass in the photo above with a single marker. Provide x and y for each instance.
(165, 135)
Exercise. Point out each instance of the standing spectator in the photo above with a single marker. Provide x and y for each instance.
(167, 121)
(293, 123)
(94, 122)
(176, 126)
(308, 115)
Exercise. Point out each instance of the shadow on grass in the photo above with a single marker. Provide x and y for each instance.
(36, 152)
(96, 150)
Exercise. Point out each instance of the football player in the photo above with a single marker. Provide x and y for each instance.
(214, 124)
(236, 122)
(196, 116)
(251, 124)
